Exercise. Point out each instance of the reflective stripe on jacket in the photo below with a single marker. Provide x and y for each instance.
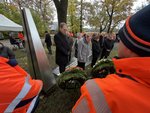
(18, 90)
(95, 95)
(118, 94)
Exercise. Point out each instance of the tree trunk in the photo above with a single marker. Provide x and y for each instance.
(61, 7)
(110, 14)
(81, 16)
(100, 29)
(19, 4)
(102, 26)
(62, 17)
(71, 21)
(109, 25)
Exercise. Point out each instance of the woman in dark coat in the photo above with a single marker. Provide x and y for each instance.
(95, 49)
(108, 44)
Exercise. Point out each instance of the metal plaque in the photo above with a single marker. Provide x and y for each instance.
(37, 59)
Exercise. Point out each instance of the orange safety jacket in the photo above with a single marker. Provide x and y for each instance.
(127, 91)
(18, 91)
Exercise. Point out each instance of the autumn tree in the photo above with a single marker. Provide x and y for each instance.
(82, 10)
(11, 11)
(81, 15)
(46, 12)
(42, 12)
(117, 10)
(97, 16)
(73, 18)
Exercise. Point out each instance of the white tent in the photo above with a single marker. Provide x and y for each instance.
(8, 25)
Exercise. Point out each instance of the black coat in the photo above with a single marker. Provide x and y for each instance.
(12, 40)
(62, 49)
(101, 42)
(108, 44)
(96, 49)
(7, 53)
(48, 39)
(76, 48)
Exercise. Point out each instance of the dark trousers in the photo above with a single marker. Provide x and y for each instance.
(23, 43)
(70, 57)
(94, 59)
(49, 49)
(104, 53)
(81, 64)
(17, 43)
(62, 68)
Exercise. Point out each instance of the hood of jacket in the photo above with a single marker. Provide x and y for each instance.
(138, 68)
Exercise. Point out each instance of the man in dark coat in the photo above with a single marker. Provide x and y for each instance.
(48, 41)
(96, 49)
(107, 46)
(62, 47)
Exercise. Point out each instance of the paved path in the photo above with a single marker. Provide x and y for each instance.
(6, 43)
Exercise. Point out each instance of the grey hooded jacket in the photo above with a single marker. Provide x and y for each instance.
(84, 50)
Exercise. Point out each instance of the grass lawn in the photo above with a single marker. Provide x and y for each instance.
(58, 101)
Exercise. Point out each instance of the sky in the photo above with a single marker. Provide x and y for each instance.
(138, 3)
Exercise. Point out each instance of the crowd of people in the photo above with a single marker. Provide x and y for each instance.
(100, 45)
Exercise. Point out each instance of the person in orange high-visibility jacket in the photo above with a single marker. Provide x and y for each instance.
(18, 91)
(128, 90)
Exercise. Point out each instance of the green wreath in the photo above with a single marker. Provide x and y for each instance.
(72, 78)
(103, 68)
